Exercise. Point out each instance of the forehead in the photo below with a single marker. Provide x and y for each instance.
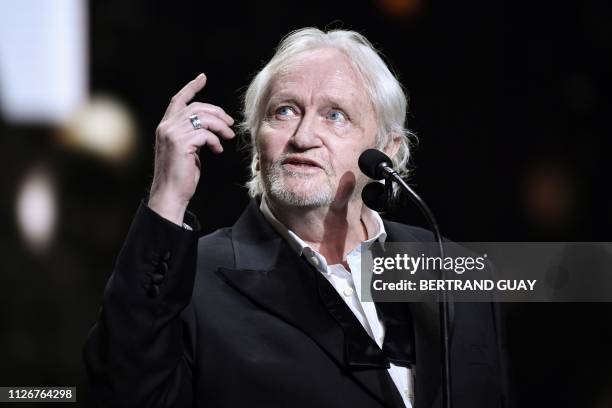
(322, 73)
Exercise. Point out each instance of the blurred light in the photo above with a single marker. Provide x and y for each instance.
(549, 195)
(401, 8)
(37, 210)
(104, 127)
(43, 59)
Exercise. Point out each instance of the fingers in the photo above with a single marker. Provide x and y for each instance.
(214, 124)
(182, 98)
(203, 137)
(211, 117)
(199, 107)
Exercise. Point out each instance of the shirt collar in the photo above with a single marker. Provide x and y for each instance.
(371, 219)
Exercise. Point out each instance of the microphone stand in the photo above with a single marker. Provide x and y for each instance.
(444, 305)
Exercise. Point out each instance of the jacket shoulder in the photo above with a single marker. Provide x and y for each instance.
(216, 249)
(216, 237)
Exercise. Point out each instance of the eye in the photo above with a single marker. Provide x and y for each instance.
(336, 115)
(284, 112)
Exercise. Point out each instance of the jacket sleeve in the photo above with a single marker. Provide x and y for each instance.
(140, 351)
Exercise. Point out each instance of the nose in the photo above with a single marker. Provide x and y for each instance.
(307, 134)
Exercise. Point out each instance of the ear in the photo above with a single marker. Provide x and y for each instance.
(393, 145)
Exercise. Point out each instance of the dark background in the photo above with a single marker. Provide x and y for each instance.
(510, 101)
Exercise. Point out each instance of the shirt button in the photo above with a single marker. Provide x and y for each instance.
(381, 339)
(348, 291)
(314, 260)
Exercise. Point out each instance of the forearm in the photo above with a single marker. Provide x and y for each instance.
(136, 354)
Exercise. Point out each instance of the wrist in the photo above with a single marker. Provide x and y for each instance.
(168, 207)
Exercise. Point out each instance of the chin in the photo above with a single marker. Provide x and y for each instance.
(301, 193)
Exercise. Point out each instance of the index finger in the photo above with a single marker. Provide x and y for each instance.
(186, 94)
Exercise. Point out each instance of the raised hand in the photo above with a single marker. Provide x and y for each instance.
(184, 129)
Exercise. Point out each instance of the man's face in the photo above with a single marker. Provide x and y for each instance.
(317, 122)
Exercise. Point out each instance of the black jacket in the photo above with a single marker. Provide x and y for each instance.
(238, 319)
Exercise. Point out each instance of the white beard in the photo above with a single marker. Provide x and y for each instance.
(312, 195)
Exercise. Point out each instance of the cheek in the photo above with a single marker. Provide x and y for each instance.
(270, 144)
(345, 156)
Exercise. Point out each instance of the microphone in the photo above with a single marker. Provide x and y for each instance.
(374, 195)
(377, 165)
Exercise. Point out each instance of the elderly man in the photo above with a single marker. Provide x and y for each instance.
(266, 314)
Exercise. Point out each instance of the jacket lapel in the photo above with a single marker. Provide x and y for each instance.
(426, 324)
(270, 274)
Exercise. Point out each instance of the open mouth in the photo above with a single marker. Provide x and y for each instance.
(301, 164)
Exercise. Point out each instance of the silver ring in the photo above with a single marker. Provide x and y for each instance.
(195, 122)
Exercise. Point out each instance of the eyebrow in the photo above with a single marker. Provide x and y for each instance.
(327, 99)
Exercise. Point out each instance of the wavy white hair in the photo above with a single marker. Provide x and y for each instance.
(381, 85)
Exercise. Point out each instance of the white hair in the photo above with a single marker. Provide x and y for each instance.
(381, 85)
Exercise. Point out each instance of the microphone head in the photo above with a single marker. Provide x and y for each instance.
(375, 196)
(370, 163)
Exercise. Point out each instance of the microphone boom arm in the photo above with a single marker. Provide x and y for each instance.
(444, 305)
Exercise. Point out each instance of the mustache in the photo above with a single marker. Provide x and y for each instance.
(302, 158)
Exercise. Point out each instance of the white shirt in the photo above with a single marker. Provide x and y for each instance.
(348, 286)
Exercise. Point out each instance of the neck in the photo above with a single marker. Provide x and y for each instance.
(332, 230)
